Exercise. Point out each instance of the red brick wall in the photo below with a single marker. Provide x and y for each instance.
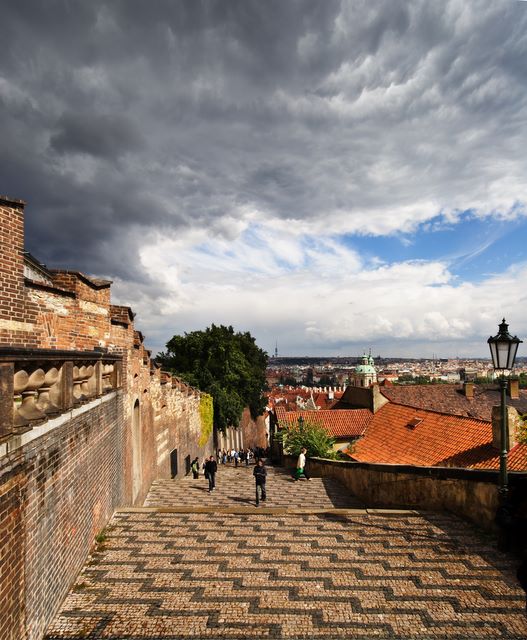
(56, 493)
(59, 490)
(33, 315)
(254, 434)
(12, 527)
(11, 259)
(16, 318)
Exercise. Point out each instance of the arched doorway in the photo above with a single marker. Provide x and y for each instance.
(136, 451)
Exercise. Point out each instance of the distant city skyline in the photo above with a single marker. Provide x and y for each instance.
(333, 175)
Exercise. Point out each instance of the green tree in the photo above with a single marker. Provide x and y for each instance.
(309, 434)
(226, 364)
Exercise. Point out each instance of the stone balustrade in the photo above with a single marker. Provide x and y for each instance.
(36, 384)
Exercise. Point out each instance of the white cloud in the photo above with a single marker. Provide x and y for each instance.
(338, 305)
(241, 146)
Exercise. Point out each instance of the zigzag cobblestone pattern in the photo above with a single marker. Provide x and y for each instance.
(235, 486)
(343, 573)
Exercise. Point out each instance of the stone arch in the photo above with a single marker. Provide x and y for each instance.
(137, 475)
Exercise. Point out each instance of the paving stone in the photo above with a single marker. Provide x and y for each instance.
(331, 573)
(235, 487)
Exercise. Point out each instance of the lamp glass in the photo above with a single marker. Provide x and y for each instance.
(503, 347)
(494, 354)
(513, 348)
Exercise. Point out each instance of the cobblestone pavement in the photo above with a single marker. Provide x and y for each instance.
(171, 574)
(235, 486)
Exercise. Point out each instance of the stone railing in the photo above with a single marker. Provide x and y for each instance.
(469, 493)
(36, 384)
(176, 383)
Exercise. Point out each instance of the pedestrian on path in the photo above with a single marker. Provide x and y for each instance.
(210, 472)
(301, 466)
(260, 476)
(195, 468)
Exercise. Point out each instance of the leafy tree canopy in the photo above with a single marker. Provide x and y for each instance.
(226, 364)
(309, 434)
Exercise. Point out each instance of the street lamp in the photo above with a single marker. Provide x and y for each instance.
(503, 348)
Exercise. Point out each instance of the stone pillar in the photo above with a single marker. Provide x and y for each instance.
(12, 260)
(513, 420)
(468, 389)
(514, 388)
(7, 372)
(66, 386)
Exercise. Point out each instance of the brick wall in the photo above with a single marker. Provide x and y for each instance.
(56, 493)
(17, 320)
(61, 480)
(254, 431)
(60, 489)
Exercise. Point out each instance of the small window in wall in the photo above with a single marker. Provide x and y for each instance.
(173, 463)
(187, 465)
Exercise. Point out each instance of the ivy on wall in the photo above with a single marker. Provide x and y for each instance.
(206, 413)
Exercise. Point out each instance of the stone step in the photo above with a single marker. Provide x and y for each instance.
(167, 575)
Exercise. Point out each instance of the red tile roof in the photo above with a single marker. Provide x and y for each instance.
(340, 423)
(438, 440)
(448, 398)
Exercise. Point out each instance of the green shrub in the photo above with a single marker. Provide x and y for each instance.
(309, 434)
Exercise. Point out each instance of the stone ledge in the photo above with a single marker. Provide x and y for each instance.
(12, 202)
(272, 511)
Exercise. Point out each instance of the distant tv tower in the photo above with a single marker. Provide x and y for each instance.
(276, 350)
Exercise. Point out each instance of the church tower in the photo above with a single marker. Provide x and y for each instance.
(364, 374)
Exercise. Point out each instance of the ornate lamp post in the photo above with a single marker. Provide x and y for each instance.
(503, 348)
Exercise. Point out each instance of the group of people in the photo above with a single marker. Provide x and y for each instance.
(241, 456)
(233, 455)
(210, 468)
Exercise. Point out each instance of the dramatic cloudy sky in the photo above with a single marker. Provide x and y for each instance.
(331, 175)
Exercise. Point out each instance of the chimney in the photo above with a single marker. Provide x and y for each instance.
(513, 421)
(514, 388)
(468, 390)
(12, 263)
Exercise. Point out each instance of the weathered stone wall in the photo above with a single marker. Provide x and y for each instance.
(254, 432)
(471, 494)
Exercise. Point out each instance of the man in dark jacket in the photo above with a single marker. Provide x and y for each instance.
(260, 476)
(210, 472)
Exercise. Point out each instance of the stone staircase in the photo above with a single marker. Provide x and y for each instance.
(313, 563)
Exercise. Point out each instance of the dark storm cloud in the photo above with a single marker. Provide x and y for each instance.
(105, 136)
(126, 119)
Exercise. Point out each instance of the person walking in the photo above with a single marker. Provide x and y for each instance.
(260, 476)
(210, 472)
(301, 465)
(195, 468)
